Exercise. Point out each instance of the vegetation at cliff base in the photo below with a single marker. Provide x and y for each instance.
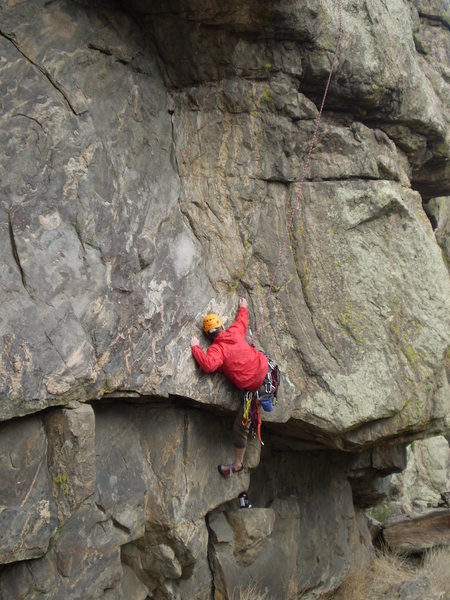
(388, 575)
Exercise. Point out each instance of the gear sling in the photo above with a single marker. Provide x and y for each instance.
(265, 397)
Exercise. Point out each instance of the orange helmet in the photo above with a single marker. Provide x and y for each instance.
(211, 321)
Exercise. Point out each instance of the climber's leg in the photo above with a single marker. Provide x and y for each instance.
(240, 434)
(239, 454)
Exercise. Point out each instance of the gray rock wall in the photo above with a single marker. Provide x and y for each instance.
(141, 511)
(150, 159)
(133, 201)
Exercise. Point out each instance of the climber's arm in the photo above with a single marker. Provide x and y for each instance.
(241, 322)
(210, 361)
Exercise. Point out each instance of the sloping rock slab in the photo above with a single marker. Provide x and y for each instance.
(416, 533)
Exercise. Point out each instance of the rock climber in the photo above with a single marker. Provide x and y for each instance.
(241, 363)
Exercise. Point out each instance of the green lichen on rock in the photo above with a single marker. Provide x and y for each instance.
(61, 484)
(411, 354)
(381, 512)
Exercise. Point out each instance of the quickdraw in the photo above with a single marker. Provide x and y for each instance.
(253, 402)
(252, 413)
(247, 404)
(258, 414)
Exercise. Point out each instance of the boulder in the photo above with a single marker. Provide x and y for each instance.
(414, 533)
(412, 589)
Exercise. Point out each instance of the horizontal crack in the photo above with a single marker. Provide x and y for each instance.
(120, 59)
(435, 19)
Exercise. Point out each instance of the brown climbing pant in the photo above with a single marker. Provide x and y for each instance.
(240, 432)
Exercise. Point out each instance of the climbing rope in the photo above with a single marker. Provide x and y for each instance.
(302, 179)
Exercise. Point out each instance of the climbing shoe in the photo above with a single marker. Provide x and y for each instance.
(228, 470)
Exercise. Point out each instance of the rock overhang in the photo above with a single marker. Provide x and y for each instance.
(121, 248)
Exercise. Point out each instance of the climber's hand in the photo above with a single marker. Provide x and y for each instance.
(195, 341)
(243, 303)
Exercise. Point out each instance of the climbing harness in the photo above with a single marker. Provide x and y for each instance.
(302, 179)
(253, 401)
(271, 383)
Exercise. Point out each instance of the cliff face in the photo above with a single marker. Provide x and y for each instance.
(150, 159)
(425, 478)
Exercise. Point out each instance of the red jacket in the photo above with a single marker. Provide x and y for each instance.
(231, 354)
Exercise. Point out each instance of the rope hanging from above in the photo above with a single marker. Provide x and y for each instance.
(302, 179)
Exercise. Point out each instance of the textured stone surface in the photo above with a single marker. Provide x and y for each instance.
(155, 481)
(142, 167)
(426, 476)
(26, 501)
(71, 457)
(418, 532)
(412, 589)
(439, 211)
(305, 496)
(150, 158)
(369, 471)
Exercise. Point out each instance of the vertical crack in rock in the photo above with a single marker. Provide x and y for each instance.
(430, 214)
(100, 507)
(54, 346)
(32, 484)
(185, 453)
(209, 555)
(308, 305)
(15, 252)
(174, 158)
(80, 238)
(44, 72)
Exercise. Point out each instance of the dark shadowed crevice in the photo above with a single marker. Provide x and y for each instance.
(15, 252)
(435, 20)
(430, 215)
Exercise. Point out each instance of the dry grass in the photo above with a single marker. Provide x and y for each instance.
(436, 566)
(251, 592)
(373, 581)
(379, 577)
(388, 570)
